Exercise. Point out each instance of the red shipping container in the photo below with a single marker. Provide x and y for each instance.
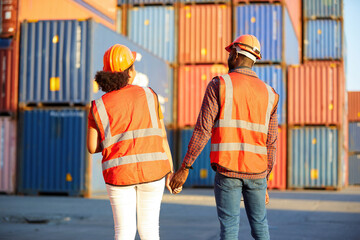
(9, 58)
(7, 154)
(192, 84)
(354, 106)
(9, 10)
(316, 93)
(204, 32)
(277, 178)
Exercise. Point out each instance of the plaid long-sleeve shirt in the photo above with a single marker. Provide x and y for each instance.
(208, 115)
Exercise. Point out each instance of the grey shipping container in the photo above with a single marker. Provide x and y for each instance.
(59, 59)
(322, 8)
(354, 137)
(354, 169)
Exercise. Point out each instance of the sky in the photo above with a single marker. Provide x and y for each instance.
(352, 44)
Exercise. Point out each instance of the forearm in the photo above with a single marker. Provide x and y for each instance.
(271, 142)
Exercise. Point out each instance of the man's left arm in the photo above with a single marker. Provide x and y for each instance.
(272, 141)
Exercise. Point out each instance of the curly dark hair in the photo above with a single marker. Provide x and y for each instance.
(111, 81)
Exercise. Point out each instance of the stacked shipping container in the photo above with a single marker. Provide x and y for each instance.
(316, 104)
(354, 137)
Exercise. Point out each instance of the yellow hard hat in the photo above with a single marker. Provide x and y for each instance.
(118, 58)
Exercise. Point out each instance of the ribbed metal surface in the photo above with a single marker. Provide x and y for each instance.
(192, 84)
(323, 39)
(52, 151)
(204, 31)
(265, 21)
(153, 28)
(9, 63)
(316, 93)
(273, 75)
(135, 2)
(202, 174)
(322, 8)
(313, 157)
(8, 18)
(277, 178)
(354, 169)
(354, 106)
(354, 137)
(7, 154)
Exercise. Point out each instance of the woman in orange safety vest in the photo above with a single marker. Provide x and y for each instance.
(126, 125)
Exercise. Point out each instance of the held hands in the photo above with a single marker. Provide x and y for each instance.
(178, 180)
(167, 184)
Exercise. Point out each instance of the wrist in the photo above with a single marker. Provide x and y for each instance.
(186, 167)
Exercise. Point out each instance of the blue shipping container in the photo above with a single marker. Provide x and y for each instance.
(313, 159)
(323, 40)
(59, 59)
(354, 169)
(322, 8)
(273, 75)
(153, 28)
(202, 174)
(52, 151)
(267, 23)
(354, 136)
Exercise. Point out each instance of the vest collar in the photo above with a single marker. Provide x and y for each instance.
(244, 70)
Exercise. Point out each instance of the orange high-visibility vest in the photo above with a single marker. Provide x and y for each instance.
(238, 141)
(131, 136)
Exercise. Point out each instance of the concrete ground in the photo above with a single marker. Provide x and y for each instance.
(292, 215)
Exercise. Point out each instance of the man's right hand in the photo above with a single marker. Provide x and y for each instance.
(179, 179)
(267, 199)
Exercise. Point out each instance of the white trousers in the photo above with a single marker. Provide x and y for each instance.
(141, 200)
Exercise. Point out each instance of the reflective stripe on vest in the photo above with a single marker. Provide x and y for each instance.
(110, 140)
(232, 123)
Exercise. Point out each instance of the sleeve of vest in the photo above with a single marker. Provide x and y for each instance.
(160, 114)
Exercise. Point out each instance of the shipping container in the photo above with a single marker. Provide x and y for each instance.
(274, 76)
(313, 9)
(202, 175)
(70, 9)
(316, 92)
(323, 40)
(272, 25)
(192, 83)
(354, 137)
(144, 2)
(52, 151)
(278, 176)
(204, 31)
(354, 169)
(7, 155)
(354, 106)
(59, 59)
(313, 158)
(9, 57)
(8, 18)
(153, 28)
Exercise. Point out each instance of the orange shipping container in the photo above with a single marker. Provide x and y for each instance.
(316, 93)
(277, 178)
(68, 9)
(354, 106)
(204, 32)
(192, 84)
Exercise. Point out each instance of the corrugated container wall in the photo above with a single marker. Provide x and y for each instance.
(8, 18)
(273, 75)
(354, 106)
(9, 57)
(153, 28)
(52, 151)
(322, 8)
(7, 155)
(354, 169)
(316, 92)
(202, 175)
(104, 13)
(323, 40)
(313, 157)
(354, 137)
(204, 31)
(265, 21)
(59, 60)
(192, 84)
(142, 2)
(278, 176)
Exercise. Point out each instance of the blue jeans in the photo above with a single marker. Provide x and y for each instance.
(228, 193)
